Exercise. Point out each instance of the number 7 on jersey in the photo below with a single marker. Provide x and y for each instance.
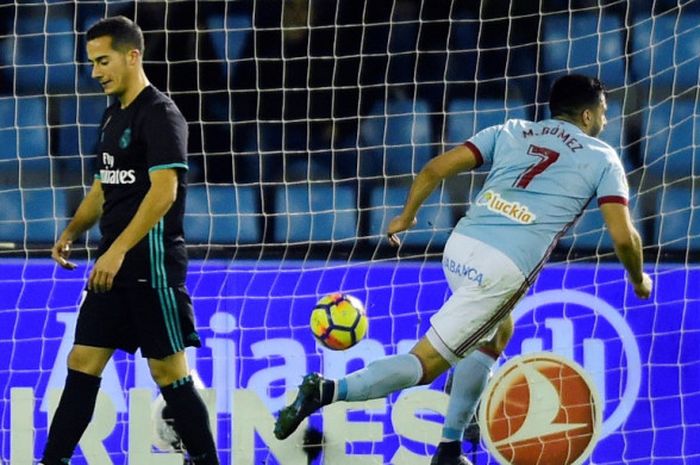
(548, 157)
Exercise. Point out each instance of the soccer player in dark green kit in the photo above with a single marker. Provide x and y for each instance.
(136, 296)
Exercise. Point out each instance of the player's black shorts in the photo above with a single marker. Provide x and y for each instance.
(159, 321)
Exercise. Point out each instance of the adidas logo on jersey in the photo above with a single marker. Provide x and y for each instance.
(511, 210)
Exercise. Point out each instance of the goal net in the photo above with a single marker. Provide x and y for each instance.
(308, 120)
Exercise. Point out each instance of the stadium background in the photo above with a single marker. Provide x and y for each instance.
(306, 122)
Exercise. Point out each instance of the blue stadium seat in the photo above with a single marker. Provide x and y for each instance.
(660, 42)
(31, 111)
(218, 214)
(29, 79)
(91, 108)
(61, 78)
(89, 138)
(11, 226)
(8, 144)
(308, 167)
(7, 112)
(8, 131)
(435, 221)
(396, 140)
(89, 114)
(585, 43)
(588, 232)
(67, 133)
(27, 50)
(40, 213)
(403, 40)
(60, 40)
(464, 118)
(229, 36)
(670, 128)
(45, 212)
(612, 134)
(60, 55)
(463, 38)
(312, 212)
(678, 224)
(32, 133)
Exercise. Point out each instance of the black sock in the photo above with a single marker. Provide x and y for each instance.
(327, 391)
(72, 416)
(191, 420)
(450, 449)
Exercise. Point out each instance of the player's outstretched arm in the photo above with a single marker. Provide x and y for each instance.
(445, 165)
(89, 211)
(628, 246)
(153, 207)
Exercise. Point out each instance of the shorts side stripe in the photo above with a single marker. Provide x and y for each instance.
(166, 317)
(176, 317)
(151, 257)
(168, 295)
(159, 283)
(493, 321)
(161, 256)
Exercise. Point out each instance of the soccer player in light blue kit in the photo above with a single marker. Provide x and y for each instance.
(542, 176)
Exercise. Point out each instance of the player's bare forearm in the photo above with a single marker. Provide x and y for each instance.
(87, 214)
(153, 207)
(631, 256)
(424, 184)
(89, 211)
(628, 245)
(443, 166)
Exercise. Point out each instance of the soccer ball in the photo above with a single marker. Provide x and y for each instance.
(163, 434)
(338, 321)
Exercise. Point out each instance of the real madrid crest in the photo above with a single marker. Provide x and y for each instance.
(125, 138)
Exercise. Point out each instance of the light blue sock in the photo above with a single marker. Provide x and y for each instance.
(380, 378)
(468, 381)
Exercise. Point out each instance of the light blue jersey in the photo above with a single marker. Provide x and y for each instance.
(542, 177)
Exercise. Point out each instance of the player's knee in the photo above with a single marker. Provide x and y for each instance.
(432, 368)
(431, 372)
(503, 335)
(88, 360)
(427, 378)
(168, 370)
(431, 361)
(498, 343)
(161, 374)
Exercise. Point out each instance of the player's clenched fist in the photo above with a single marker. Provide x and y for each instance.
(644, 287)
(397, 225)
(61, 252)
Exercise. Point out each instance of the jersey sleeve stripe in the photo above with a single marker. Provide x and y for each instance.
(168, 166)
(612, 199)
(477, 153)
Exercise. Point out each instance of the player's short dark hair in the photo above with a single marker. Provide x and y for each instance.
(126, 35)
(573, 93)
